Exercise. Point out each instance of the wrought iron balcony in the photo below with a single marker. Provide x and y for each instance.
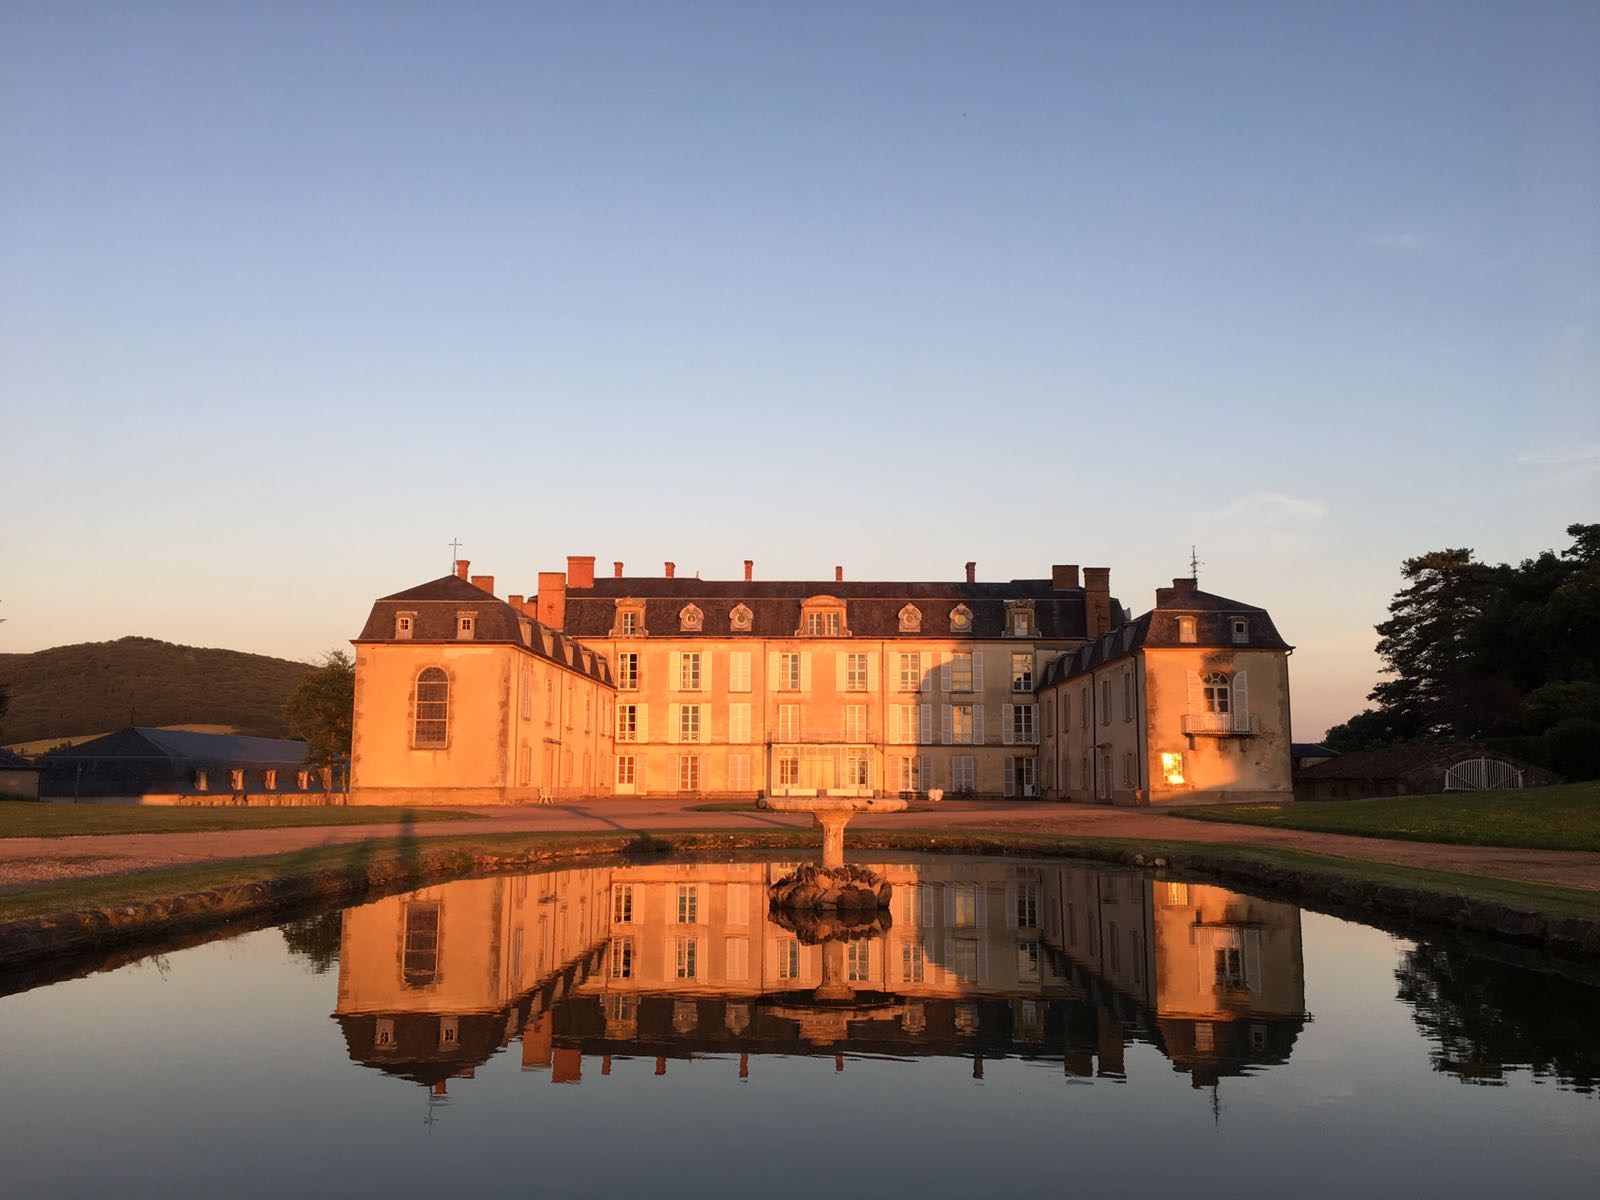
(1221, 724)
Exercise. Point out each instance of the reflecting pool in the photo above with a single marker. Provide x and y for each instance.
(651, 1028)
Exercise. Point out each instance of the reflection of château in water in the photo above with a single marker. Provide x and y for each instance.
(983, 959)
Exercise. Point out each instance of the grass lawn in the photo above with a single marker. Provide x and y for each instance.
(27, 818)
(1563, 817)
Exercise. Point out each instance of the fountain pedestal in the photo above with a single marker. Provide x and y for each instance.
(834, 886)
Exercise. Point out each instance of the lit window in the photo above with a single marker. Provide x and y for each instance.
(628, 671)
(1216, 692)
(961, 672)
(858, 961)
(622, 958)
(269, 780)
(686, 955)
(1172, 767)
(1022, 672)
(961, 724)
(419, 964)
(201, 780)
(913, 963)
(627, 722)
(910, 672)
(622, 903)
(965, 905)
(788, 770)
(302, 780)
(1186, 629)
(857, 768)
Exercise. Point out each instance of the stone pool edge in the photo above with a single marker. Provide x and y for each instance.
(1401, 908)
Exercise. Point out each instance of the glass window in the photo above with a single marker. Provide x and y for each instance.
(689, 672)
(1022, 672)
(961, 672)
(1216, 692)
(628, 671)
(910, 672)
(788, 672)
(688, 903)
(433, 709)
(419, 964)
(855, 673)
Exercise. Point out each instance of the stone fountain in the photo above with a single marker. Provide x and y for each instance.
(834, 886)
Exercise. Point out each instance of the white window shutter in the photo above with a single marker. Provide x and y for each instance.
(706, 660)
(944, 725)
(926, 725)
(872, 673)
(944, 670)
(1007, 734)
(979, 732)
(1197, 697)
(644, 724)
(774, 667)
(1011, 777)
(805, 671)
(926, 677)
(839, 661)
(675, 670)
(1241, 701)
(1011, 905)
(673, 728)
(672, 782)
(977, 670)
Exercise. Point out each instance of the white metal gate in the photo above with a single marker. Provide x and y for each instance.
(1480, 774)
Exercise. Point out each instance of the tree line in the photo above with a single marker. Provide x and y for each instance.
(1507, 656)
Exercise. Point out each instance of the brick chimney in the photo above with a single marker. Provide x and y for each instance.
(462, 567)
(1064, 578)
(515, 600)
(616, 570)
(749, 569)
(1180, 593)
(580, 570)
(671, 568)
(838, 574)
(972, 572)
(552, 599)
(484, 583)
(1097, 600)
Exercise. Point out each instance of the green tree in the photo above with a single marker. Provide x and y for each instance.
(322, 709)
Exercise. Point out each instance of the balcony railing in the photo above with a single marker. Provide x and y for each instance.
(1220, 724)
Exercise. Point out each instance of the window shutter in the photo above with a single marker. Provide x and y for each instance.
(675, 670)
(925, 731)
(949, 919)
(1007, 735)
(672, 784)
(977, 670)
(774, 665)
(944, 670)
(805, 671)
(1241, 702)
(673, 718)
(839, 661)
(872, 673)
(705, 670)
(1011, 790)
(643, 734)
(926, 677)
(979, 732)
(923, 770)
(1197, 698)
(944, 725)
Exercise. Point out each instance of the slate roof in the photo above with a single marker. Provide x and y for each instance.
(1159, 628)
(1299, 750)
(872, 608)
(436, 603)
(10, 761)
(228, 748)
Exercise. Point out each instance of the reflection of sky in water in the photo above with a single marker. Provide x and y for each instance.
(219, 1070)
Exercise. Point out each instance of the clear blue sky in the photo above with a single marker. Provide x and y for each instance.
(292, 294)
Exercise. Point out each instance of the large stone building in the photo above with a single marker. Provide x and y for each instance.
(671, 684)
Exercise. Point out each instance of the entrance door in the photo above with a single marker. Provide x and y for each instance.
(627, 768)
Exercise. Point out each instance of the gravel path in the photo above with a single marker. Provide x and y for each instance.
(26, 862)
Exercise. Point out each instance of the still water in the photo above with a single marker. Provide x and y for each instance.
(1010, 1027)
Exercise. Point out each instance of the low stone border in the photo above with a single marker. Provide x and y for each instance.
(1410, 911)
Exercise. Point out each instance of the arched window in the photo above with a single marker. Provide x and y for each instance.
(433, 709)
(1216, 692)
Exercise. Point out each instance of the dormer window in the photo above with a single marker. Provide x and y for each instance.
(269, 780)
(629, 619)
(1186, 629)
(466, 624)
(1241, 630)
(739, 619)
(822, 624)
(201, 780)
(690, 619)
(1019, 619)
(236, 779)
(910, 619)
(404, 625)
(961, 619)
(630, 624)
(302, 780)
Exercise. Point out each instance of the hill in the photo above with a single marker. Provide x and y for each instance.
(97, 687)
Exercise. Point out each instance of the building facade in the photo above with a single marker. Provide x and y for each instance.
(1187, 704)
(463, 698)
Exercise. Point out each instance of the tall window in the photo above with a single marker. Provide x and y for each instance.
(910, 672)
(738, 723)
(689, 672)
(858, 960)
(962, 773)
(1022, 724)
(788, 770)
(1186, 629)
(1105, 702)
(433, 709)
(857, 770)
(622, 958)
(961, 724)
(1127, 695)
(686, 957)
(855, 722)
(628, 671)
(790, 718)
(788, 672)
(1022, 672)
(789, 959)
(913, 962)
(689, 773)
(622, 903)
(627, 722)
(419, 964)
(1216, 692)
(855, 672)
(1028, 906)
(689, 722)
(739, 671)
(688, 903)
(961, 672)
(630, 624)
(627, 770)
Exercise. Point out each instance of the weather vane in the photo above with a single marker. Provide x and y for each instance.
(1194, 565)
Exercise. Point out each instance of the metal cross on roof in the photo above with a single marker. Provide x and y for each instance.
(455, 552)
